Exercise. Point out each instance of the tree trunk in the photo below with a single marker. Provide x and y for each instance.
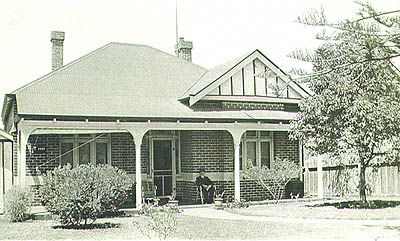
(363, 184)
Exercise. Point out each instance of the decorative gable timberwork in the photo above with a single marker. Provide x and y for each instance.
(255, 79)
(252, 77)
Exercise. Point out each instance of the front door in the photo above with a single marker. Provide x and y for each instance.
(163, 166)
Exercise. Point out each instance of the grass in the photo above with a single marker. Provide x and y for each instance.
(317, 211)
(125, 229)
(214, 228)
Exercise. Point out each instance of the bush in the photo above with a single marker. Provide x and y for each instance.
(274, 179)
(239, 204)
(159, 221)
(17, 203)
(113, 187)
(84, 193)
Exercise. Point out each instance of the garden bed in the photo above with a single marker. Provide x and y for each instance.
(356, 204)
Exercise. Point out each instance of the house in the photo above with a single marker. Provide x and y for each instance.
(157, 116)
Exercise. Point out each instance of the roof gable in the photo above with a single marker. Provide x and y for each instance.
(251, 75)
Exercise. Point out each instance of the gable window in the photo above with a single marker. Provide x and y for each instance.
(84, 149)
(256, 149)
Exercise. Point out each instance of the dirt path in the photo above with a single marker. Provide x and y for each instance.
(312, 228)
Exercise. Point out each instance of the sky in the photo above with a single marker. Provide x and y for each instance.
(220, 30)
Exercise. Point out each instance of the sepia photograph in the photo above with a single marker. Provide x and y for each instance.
(200, 120)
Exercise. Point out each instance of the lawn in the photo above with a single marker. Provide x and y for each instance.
(284, 221)
(312, 210)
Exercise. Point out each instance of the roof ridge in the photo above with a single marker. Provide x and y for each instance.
(151, 47)
(62, 68)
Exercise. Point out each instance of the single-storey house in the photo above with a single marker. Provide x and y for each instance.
(157, 116)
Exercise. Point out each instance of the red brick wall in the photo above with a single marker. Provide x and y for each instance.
(211, 149)
(43, 161)
(123, 152)
(284, 148)
(249, 190)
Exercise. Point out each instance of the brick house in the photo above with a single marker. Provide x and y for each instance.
(157, 116)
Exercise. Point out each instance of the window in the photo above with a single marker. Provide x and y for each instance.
(265, 157)
(67, 153)
(101, 153)
(256, 148)
(251, 150)
(86, 151)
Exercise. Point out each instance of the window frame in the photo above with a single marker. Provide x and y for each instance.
(76, 140)
(258, 138)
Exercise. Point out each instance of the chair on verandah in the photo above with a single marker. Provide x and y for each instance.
(199, 194)
(149, 194)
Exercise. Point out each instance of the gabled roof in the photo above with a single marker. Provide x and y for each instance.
(128, 80)
(117, 79)
(214, 77)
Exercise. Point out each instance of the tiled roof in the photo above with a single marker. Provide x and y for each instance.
(125, 80)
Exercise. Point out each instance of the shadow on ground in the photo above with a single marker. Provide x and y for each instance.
(89, 226)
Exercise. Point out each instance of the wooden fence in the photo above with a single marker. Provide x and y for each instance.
(382, 181)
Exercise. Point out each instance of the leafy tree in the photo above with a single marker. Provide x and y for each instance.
(354, 105)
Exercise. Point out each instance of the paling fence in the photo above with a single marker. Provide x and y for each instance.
(338, 180)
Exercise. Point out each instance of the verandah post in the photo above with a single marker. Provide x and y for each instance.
(138, 172)
(137, 134)
(237, 170)
(236, 135)
(21, 156)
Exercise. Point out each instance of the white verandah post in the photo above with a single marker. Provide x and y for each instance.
(137, 135)
(237, 135)
(21, 156)
(138, 173)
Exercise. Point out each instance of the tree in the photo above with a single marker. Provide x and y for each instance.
(354, 106)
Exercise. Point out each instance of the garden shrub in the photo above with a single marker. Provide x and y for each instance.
(160, 221)
(274, 179)
(83, 193)
(17, 203)
(113, 187)
(239, 204)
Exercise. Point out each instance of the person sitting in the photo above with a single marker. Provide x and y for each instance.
(204, 184)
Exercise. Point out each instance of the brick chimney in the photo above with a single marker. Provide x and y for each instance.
(183, 49)
(57, 50)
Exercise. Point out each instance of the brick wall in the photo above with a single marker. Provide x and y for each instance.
(284, 148)
(123, 152)
(211, 149)
(249, 190)
(43, 161)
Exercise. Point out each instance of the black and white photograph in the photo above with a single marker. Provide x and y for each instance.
(200, 120)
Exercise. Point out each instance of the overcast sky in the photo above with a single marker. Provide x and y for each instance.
(220, 30)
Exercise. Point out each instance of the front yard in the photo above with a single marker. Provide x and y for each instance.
(288, 221)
